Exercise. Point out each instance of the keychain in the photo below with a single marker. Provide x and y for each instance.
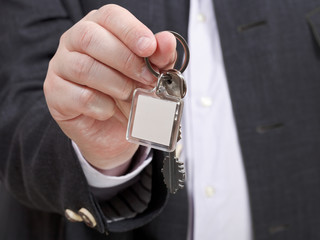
(155, 114)
(155, 117)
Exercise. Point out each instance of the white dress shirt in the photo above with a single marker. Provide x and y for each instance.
(217, 187)
(99, 180)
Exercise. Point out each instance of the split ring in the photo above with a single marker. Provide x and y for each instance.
(186, 55)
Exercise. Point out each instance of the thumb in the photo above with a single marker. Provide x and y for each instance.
(165, 55)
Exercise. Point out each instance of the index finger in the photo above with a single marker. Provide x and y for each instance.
(127, 28)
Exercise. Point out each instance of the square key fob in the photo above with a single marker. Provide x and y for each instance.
(154, 120)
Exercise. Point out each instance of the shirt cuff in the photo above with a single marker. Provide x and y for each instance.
(99, 180)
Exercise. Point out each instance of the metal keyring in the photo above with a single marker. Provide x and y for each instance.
(186, 55)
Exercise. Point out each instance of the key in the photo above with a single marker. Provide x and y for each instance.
(155, 117)
(173, 171)
(154, 121)
(173, 84)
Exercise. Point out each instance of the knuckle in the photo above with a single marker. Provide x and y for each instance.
(106, 109)
(48, 84)
(92, 12)
(107, 12)
(46, 87)
(82, 68)
(62, 38)
(50, 90)
(128, 59)
(130, 33)
(108, 114)
(87, 97)
(111, 13)
(87, 33)
(126, 90)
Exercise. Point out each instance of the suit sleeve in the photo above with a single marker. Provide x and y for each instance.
(38, 165)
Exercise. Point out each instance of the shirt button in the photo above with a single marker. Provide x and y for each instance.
(87, 217)
(206, 102)
(201, 17)
(210, 191)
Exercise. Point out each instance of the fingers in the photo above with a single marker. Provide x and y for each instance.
(67, 100)
(100, 61)
(91, 39)
(85, 70)
(126, 27)
(114, 37)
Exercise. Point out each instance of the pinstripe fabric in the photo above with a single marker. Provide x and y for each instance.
(131, 201)
(38, 164)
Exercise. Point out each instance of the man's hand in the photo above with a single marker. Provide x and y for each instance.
(90, 80)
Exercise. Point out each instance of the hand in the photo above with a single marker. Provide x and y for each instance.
(90, 80)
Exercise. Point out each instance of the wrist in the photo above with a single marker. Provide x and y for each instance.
(131, 165)
(97, 179)
(116, 171)
(105, 160)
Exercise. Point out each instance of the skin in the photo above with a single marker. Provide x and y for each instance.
(90, 80)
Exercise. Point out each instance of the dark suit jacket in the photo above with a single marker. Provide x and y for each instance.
(271, 52)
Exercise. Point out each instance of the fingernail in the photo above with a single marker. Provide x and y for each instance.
(143, 43)
(147, 76)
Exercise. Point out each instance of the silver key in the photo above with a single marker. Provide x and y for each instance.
(172, 83)
(173, 172)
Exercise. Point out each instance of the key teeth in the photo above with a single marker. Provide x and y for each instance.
(173, 166)
(179, 134)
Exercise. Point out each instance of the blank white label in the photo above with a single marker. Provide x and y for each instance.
(154, 119)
